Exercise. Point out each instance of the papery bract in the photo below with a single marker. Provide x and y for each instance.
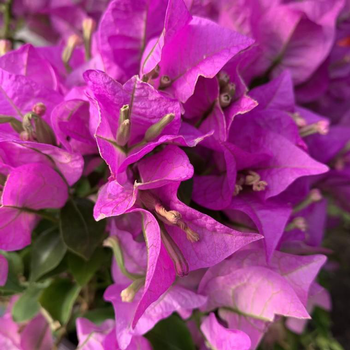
(24, 193)
(222, 338)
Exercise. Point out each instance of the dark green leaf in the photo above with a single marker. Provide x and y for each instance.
(79, 230)
(171, 334)
(83, 187)
(83, 270)
(185, 191)
(12, 285)
(27, 306)
(47, 252)
(97, 316)
(58, 299)
(62, 267)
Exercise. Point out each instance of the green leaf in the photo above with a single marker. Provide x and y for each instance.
(171, 334)
(83, 270)
(79, 230)
(83, 187)
(47, 252)
(12, 285)
(58, 299)
(27, 306)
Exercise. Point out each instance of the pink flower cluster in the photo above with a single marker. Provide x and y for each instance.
(224, 128)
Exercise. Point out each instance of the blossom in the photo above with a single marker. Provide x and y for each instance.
(212, 139)
(24, 336)
(23, 195)
(223, 338)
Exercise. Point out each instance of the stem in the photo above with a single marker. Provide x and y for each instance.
(60, 334)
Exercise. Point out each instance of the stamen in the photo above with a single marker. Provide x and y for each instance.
(314, 196)
(172, 216)
(259, 186)
(223, 78)
(238, 188)
(225, 99)
(252, 178)
(5, 46)
(128, 294)
(156, 129)
(175, 254)
(321, 127)
(165, 82)
(299, 120)
(190, 234)
(297, 223)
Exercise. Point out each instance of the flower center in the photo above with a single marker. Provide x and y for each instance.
(249, 178)
(227, 89)
(169, 217)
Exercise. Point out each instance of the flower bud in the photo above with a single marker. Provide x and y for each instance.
(175, 254)
(43, 132)
(124, 114)
(153, 74)
(73, 41)
(5, 46)
(223, 78)
(128, 294)
(230, 88)
(89, 26)
(29, 133)
(123, 133)
(156, 129)
(39, 109)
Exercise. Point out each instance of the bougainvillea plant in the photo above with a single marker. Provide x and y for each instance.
(167, 169)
